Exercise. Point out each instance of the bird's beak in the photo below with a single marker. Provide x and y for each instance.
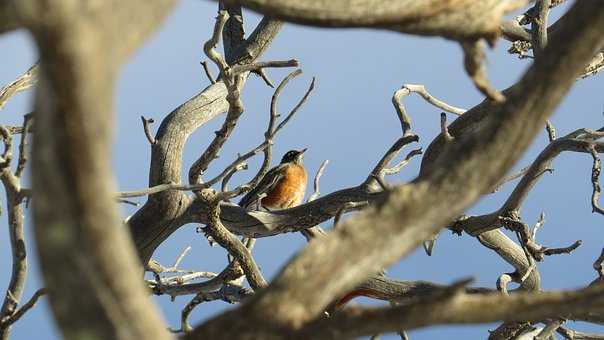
(302, 151)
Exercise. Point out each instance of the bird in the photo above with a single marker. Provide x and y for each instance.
(282, 187)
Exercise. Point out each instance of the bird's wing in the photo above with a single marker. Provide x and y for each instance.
(268, 182)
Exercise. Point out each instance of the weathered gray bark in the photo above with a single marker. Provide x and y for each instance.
(82, 245)
(458, 19)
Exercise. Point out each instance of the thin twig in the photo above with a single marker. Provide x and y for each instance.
(227, 177)
(270, 132)
(443, 127)
(551, 130)
(398, 167)
(421, 90)
(181, 257)
(403, 117)
(23, 146)
(147, 129)
(532, 248)
(207, 71)
(262, 73)
(379, 171)
(539, 224)
(557, 251)
(311, 87)
(124, 201)
(239, 69)
(185, 277)
(24, 309)
(310, 233)
(474, 57)
(595, 180)
(316, 193)
(273, 107)
(510, 178)
(160, 188)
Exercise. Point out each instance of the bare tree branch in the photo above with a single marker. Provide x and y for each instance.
(146, 128)
(9, 320)
(457, 20)
(539, 26)
(474, 59)
(25, 81)
(231, 243)
(595, 179)
(316, 192)
(207, 71)
(458, 308)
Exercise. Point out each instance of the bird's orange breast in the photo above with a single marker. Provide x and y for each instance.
(290, 190)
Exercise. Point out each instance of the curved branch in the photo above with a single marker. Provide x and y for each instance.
(452, 19)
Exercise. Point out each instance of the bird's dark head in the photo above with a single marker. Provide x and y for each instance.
(293, 156)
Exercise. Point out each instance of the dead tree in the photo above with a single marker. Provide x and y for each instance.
(84, 247)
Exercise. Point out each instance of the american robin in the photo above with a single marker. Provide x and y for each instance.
(282, 187)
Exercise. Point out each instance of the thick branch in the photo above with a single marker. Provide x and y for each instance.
(539, 26)
(457, 309)
(82, 244)
(452, 19)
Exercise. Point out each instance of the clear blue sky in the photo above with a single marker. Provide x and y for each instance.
(349, 120)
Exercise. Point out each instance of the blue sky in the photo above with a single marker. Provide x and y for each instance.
(349, 120)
